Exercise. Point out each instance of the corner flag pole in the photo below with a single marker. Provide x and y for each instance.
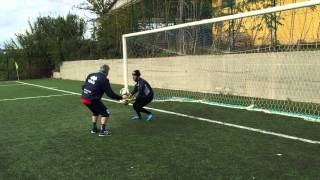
(17, 70)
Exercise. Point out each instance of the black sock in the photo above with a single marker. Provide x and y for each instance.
(103, 127)
(94, 125)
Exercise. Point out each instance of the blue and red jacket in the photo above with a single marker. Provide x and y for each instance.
(96, 85)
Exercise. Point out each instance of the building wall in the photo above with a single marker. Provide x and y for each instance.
(296, 26)
(282, 76)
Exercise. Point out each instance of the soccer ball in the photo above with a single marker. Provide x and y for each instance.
(125, 94)
(124, 91)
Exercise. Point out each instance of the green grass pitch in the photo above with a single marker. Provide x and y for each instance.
(48, 138)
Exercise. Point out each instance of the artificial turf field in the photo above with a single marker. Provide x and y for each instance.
(44, 134)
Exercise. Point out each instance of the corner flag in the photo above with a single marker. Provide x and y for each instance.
(17, 70)
(17, 67)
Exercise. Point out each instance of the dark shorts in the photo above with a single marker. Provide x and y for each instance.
(141, 102)
(96, 107)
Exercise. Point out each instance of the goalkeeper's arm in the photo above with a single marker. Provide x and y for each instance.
(135, 90)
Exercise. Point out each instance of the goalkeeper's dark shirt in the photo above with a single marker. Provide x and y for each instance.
(96, 85)
(142, 89)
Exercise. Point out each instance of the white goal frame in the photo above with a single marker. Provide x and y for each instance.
(288, 7)
(208, 21)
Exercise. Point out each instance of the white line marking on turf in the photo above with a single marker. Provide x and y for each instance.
(50, 88)
(199, 118)
(6, 85)
(238, 126)
(35, 97)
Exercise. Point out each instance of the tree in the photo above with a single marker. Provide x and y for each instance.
(47, 43)
(98, 7)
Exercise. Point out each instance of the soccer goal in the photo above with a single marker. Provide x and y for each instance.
(263, 60)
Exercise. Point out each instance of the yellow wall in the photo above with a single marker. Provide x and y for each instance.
(296, 25)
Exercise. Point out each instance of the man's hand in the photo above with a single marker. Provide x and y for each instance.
(124, 101)
(127, 99)
(125, 96)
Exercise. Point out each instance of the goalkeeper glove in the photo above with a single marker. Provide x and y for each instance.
(128, 100)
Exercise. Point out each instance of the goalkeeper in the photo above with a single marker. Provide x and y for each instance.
(143, 94)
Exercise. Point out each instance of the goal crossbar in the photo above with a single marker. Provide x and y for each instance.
(230, 17)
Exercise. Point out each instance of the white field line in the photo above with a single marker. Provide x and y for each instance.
(199, 118)
(307, 119)
(6, 85)
(35, 97)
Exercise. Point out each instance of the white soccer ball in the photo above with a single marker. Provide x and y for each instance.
(124, 91)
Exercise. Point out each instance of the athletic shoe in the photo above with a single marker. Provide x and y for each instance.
(95, 131)
(105, 133)
(136, 118)
(149, 117)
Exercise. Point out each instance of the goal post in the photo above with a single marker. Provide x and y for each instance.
(125, 63)
(263, 60)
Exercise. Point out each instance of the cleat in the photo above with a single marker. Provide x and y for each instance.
(149, 117)
(95, 131)
(136, 118)
(105, 133)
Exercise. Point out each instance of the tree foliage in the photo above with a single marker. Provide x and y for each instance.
(98, 7)
(48, 42)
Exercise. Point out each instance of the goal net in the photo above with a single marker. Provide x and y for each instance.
(265, 60)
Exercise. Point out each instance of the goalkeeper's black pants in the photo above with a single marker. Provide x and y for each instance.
(140, 103)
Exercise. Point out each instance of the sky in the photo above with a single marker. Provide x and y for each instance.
(14, 14)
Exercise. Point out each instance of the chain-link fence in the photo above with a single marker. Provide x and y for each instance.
(7, 71)
(28, 68)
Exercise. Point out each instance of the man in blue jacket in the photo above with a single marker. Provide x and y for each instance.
(143, 95)
(95, 86)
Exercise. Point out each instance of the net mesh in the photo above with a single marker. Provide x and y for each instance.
(265, 63)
